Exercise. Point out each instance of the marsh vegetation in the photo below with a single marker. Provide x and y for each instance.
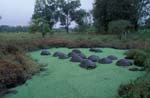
(107, 53)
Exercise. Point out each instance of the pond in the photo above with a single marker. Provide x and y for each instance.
(65, 79)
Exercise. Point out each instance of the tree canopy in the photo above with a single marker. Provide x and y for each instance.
(111, 10)
(6, 28)
(40, 25)
(70, 11)
(47, 10)
(63, 11)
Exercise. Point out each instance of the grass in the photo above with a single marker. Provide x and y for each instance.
(37, 36)
(142, 38)
(64, 79)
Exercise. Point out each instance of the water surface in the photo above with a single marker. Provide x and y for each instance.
(64, 79)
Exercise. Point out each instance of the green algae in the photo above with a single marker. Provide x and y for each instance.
(64, 79)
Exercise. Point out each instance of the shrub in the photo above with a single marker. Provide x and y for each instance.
(40, 25)
(124, 89)
(140, 58)
(131, 54)
(138, 89)
(30, 67)
(120, 27)
(147, 63)
(147, 23)
(91, 30)
(10, 49)
(11, 74)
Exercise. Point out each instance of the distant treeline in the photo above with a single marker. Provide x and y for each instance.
(6, 28)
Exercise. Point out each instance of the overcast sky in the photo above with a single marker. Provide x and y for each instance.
(19, 12)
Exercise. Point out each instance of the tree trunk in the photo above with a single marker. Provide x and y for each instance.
(67, 23)
(67, 29)
(43, 35)
(67, 26)
(106, 27)
(135, 26)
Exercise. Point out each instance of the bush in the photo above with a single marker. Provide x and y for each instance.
(30, 67)
(147, 23)
(131, 54)
(140, 58)
(15, 69)
(11, 74)
(124, 89)
(119, 26)
(147, 63)
(91, 30)
(10, 49)
(138, 89)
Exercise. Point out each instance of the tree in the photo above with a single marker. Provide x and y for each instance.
(111, 10)
(121, 27)
(6, 28)
(40, 25)
(83, 20)
(100, 14)
(54, 11)
(47, 10)
(70, 11)
(144, 8)
(147, 23)
(81, 17)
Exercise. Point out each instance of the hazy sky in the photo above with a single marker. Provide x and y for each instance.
(19, 12)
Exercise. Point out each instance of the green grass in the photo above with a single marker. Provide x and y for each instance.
(28, 37)
(38, 36)
(64, 79)
(141, 37)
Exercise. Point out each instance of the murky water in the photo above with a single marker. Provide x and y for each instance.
(64, 79)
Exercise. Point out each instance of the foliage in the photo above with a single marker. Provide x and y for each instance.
(138, 56)
(54, 11)
(5, 28)
(81, 17)
(40, 25)
(119, 26)
(15, 66)
(11, 74)
(91, 30)
(137, 89)
(147, 23)
(131, 54)
(46, 10)
(147, 63)
(111, 10)
(144, 7)
(70, 11)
